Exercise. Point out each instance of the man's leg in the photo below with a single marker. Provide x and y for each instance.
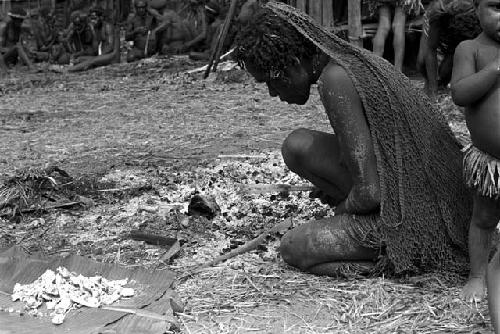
(320, 247)
(383, 28)
(24, 57)
(431, 60)
(315, 156)
(92, 62)
(485, 216)
(398, 28)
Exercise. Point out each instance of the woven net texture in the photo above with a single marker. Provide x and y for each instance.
(425, 206)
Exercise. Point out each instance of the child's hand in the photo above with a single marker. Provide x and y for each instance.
(496, 63)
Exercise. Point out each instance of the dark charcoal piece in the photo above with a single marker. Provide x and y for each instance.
(204, 206)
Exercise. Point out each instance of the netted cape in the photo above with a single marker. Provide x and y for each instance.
(425, 207)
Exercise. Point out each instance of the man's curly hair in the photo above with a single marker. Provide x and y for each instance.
(271, 43)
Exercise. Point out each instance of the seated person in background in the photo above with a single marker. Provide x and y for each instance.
(139, 30)
(196, 20)
(104, 31)
(81, 36)
(12, 47)
(45, 34)
(172, 31)
(59, 52)
(106, 46)
(215, 23)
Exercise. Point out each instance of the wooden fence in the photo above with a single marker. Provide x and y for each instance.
(320, 10)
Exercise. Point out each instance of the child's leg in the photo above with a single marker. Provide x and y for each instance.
(398, 28)
(485, 218)
(383, 28)
(494, 291)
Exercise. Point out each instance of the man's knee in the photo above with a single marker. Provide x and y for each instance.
(289, 251)
(297, 146)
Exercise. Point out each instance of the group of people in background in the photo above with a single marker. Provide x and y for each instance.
(156, 29)
(91, 39)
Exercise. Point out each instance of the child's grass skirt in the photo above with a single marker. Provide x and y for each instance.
(482, 172)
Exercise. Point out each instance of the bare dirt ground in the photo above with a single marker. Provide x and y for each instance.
(144, 138)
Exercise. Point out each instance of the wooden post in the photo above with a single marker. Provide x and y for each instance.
(315, 10)
(355, 25)
(216, 53)
(328, 20)
(302, 5)
(116, 25)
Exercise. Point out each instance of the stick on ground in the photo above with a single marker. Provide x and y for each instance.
(250, 245)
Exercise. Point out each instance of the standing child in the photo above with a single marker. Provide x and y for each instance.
(476, 86)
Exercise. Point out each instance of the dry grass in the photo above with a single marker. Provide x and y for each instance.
(142, 117)
(272, 298)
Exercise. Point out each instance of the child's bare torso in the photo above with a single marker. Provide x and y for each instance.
(483, 117)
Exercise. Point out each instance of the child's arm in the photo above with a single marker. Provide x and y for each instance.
(467, 85)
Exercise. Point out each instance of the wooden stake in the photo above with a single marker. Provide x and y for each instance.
(214, 57)
(315, 10)
(302, 5)
(328, 19)
(355, 25)
(248, 246)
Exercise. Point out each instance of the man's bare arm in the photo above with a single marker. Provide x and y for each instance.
(345, 111)
(467, 85)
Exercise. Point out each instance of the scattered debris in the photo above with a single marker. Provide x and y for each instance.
(62, 291)
(275, 188)
(250, 245)
(151, 238)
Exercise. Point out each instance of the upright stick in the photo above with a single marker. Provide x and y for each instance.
(214, 57)
(355, 25)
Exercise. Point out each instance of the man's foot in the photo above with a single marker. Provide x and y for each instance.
(474, 290)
